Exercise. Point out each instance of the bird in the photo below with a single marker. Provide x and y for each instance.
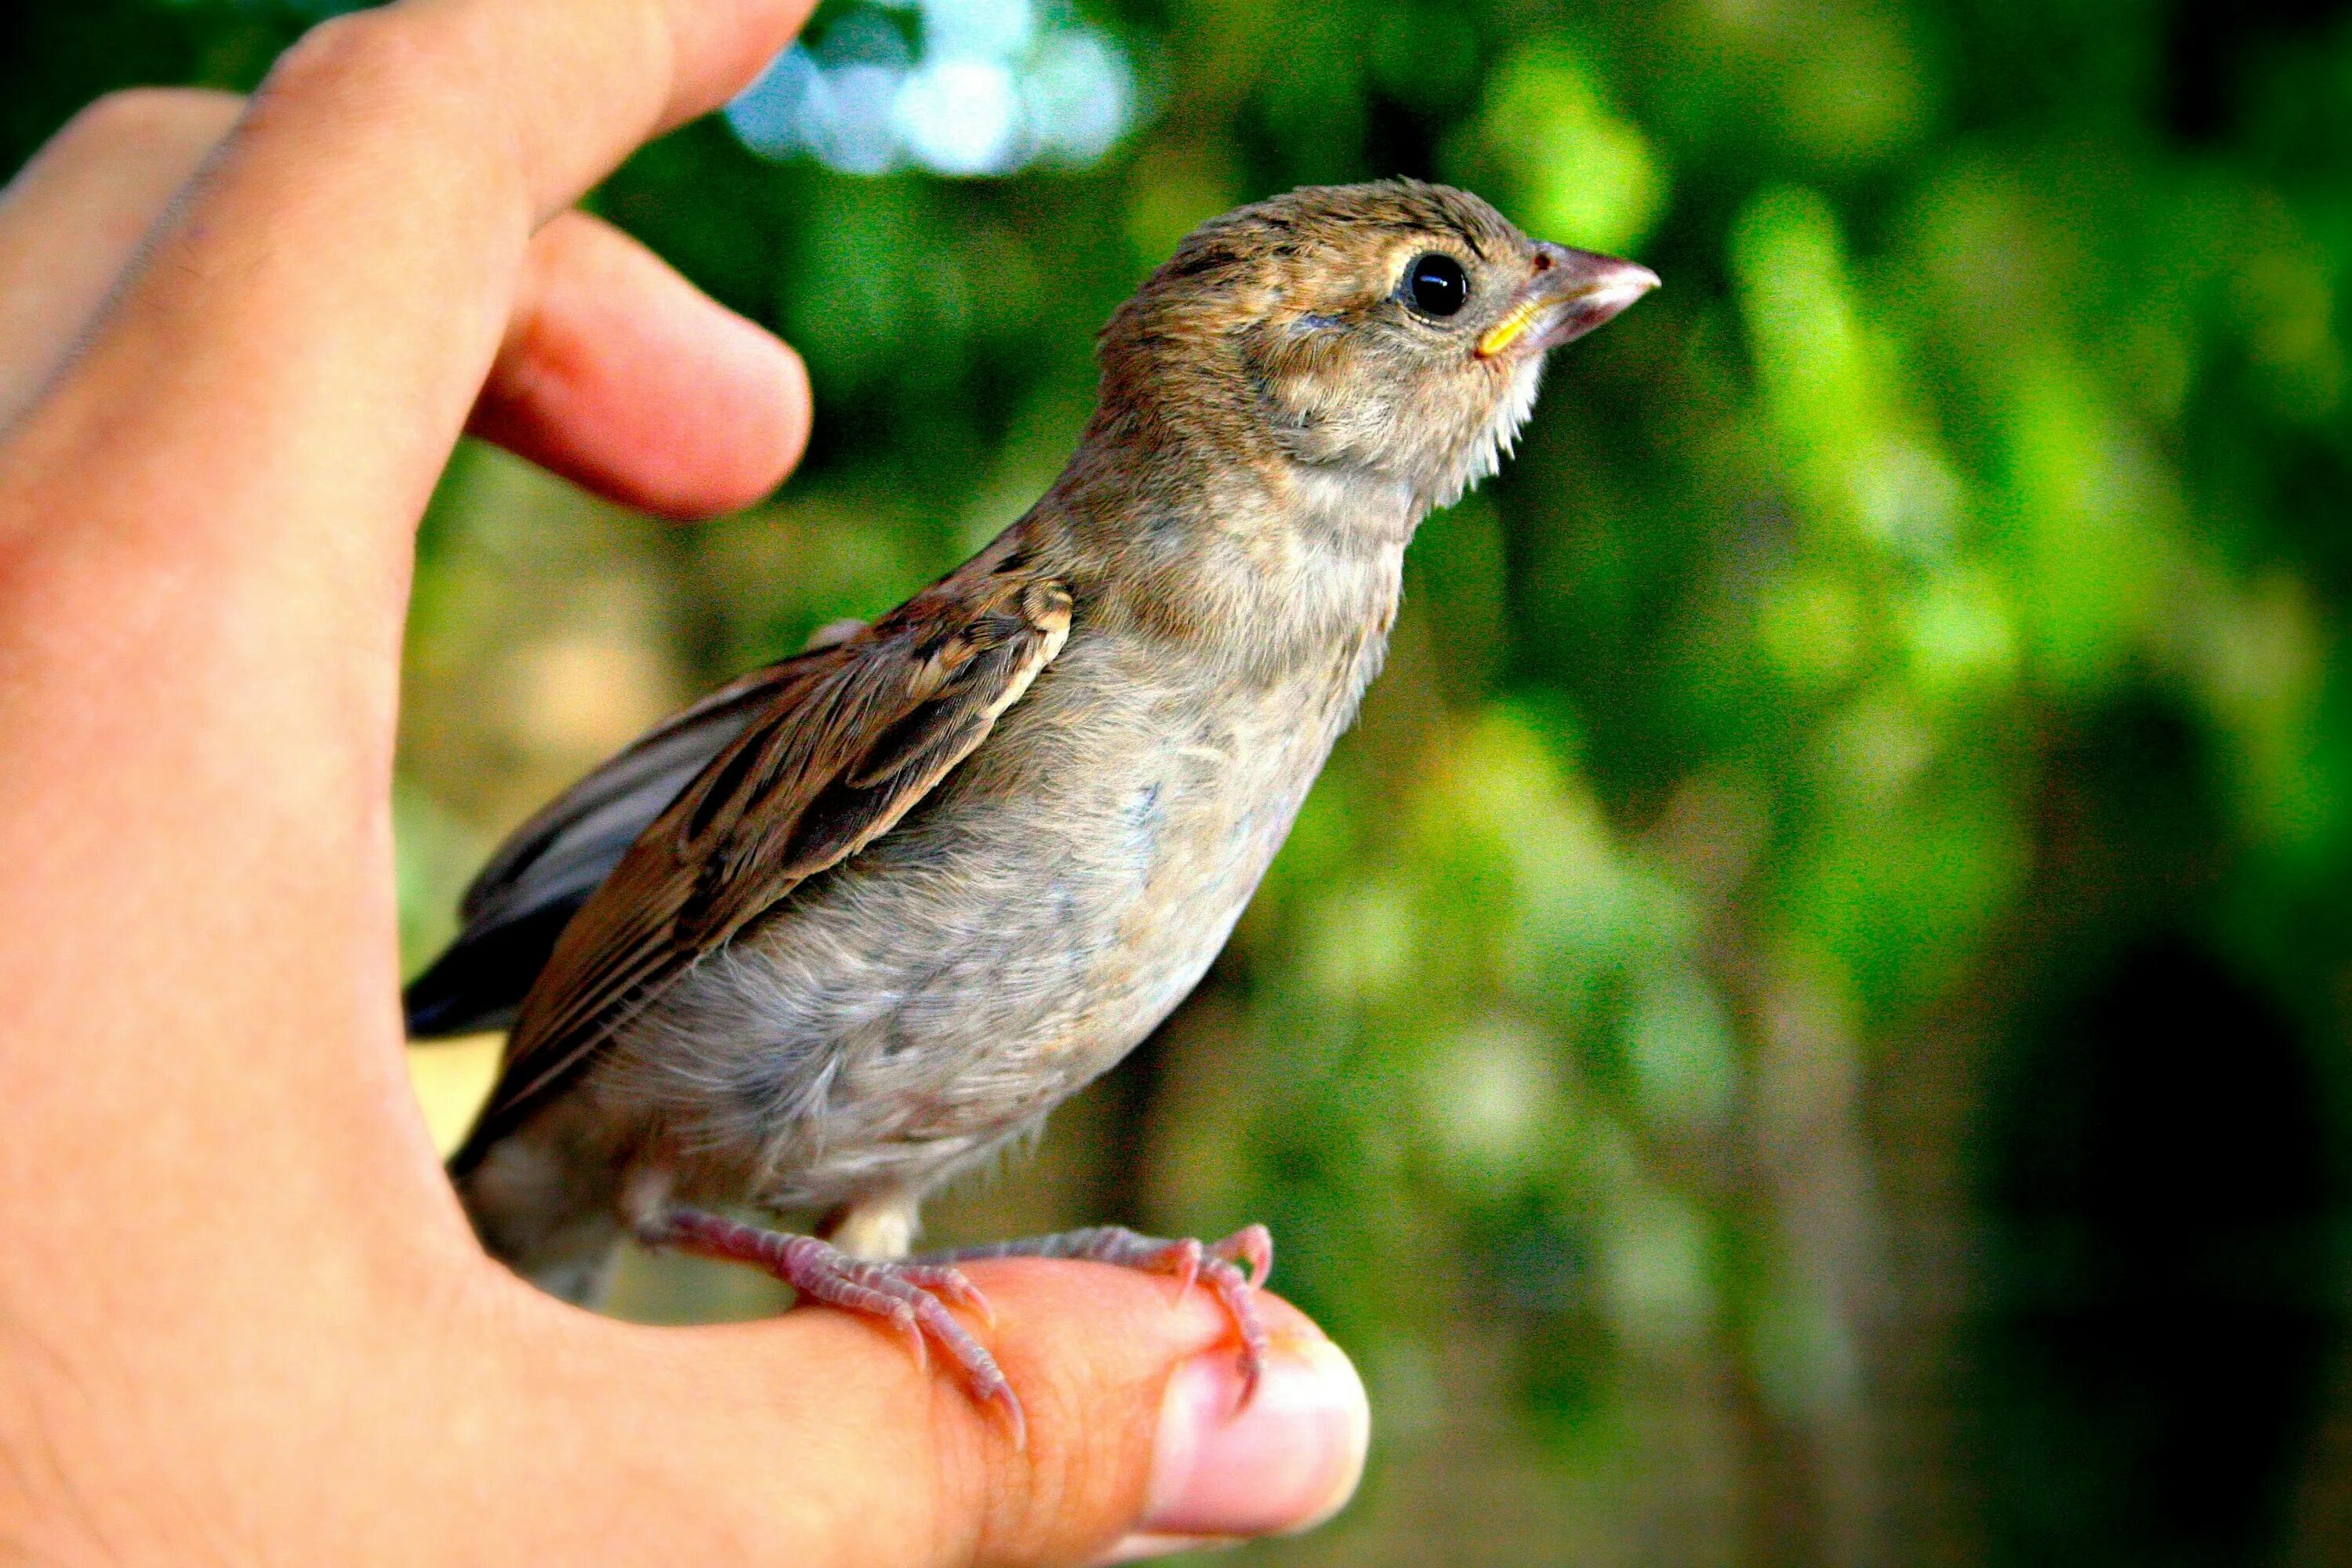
(856, 921)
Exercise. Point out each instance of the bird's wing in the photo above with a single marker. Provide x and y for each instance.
(851, 738)
(521, 900)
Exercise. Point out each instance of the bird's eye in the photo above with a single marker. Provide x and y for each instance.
(1436, 284)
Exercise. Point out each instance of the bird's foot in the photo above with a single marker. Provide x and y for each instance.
(1232, 1269)
(912, 1297)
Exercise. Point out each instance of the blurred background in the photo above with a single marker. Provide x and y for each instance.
(1811, 1021)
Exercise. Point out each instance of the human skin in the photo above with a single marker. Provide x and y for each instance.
(242, 1317)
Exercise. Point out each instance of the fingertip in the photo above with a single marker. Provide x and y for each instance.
(1273, 1459)
(724, 440)
(1132, 1443)
(719, 49)
(1147, 1399)
(620, 375)
(782, 405)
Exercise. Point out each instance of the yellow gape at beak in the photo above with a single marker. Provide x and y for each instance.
(1505, 333)
(1572, 292)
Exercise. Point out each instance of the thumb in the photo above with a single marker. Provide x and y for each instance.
(1137, 1442)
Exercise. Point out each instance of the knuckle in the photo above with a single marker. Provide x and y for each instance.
(361, 53)
(380, 83)
(424, 84)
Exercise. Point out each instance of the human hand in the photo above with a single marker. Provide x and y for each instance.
(243, 1313)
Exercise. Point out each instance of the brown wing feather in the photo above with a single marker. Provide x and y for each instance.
(854, 737)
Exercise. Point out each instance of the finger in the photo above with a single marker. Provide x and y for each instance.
(620, 375)
(1135, 1444)
(615, 371)
(342, 278)
(572, 87)
(71, 219)
(206, 523)
(209, 515)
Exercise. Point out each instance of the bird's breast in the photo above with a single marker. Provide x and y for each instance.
(1019, 931)
(1175, 805)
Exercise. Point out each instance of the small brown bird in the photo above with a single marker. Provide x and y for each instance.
(849, 925)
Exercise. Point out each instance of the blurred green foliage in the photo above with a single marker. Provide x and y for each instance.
(1808, 1024)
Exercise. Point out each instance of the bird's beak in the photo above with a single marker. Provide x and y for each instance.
(1570, 294)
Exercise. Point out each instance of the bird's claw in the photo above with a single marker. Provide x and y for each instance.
(1233, 1270)
(911, 1299)
(950, 1286)
(1252, 1243)
(1182, 1259)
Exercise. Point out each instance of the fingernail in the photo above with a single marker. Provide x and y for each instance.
(1284, 1463)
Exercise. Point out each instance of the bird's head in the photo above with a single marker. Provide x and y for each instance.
(1395, 331)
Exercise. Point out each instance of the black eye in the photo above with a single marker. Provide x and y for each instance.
(1436, 285)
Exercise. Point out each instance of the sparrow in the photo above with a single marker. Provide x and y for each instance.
(852, 924)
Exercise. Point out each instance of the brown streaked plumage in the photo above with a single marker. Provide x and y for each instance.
(851, 924)
(847, 739)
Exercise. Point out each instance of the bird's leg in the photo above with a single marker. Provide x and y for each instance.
(910, 1297)
(1219, 1265)
(879, 1225)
